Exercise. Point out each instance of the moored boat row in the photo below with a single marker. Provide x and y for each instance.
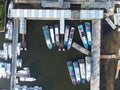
(85, 34)
(80, 70)
(54, 38)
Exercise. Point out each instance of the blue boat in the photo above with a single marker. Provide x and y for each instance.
(71, 72)
(70, 37)
(57, 37)
(82, 70)
(88, 32)
(83, 36)
(77, 72)
(67, 30)
(47, 36)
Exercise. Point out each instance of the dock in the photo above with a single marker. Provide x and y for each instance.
(95, 55)
(14, 54)
(51, 12)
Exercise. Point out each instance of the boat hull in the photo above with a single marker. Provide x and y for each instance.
(71, 72)
(88, 68)
(71, 37)
(82, 35)
(57, 36)
(80, 48)
(47, 36)
(82, 70)
(77, 72)
(88, 32)
(52, 35)
(67, 30)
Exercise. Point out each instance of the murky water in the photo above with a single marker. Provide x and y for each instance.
(49, 66)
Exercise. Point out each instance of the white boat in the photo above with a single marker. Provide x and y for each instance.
(82, 70)
(19, 62)
(77, 72)
(57, 36)
(70, 37)
(18, 48)
(25, 71)
(9, 50)
(88, 68)
(8, 70)
(5, 51)
(9, 27)
(67, 30)
(5, 70)
(10, 6)
(52, 35)
(28, 79)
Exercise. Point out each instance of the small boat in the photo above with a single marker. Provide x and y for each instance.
(77, 72)
(82, 70)
(10, 6)
(88, 32)
(83, 36)
(47, 36)
(88, 68)
(71, 37)
(71, 71)
(9, 50)
(28, 79)
(52, 35)
(19, 63)
(18, 48)
(67, 30)
(57, 35)
(9, 27)
(5, 51)
(80, 48)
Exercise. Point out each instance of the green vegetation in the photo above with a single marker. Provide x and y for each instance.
(2, 14)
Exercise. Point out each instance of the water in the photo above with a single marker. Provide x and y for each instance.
(48, 66)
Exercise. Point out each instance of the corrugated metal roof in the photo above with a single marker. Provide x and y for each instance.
(34, 13)
(91, 14)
